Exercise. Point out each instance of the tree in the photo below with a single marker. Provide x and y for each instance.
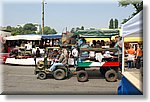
(53, 31)
(137, 4)
(111, 24)
(124, 21)
(15, 30)
(77, 28)
(48, 30)
(72, 30)
(82, 28)
(8, 28)
(116, 24)
(29, 28)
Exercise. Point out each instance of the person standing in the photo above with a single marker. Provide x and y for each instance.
(118, 45)
(131, 56)
(38, 53)
(138, 57)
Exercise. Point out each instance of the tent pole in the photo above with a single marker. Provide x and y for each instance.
(122, 54)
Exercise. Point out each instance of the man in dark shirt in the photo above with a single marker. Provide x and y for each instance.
(38, 53)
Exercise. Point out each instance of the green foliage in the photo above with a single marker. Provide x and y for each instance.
(82, 28)
(14, 31)
(48, 30)
(29, 28)
(111, 24)
(116, 24)
(72, 30)
(137, 4)
(124, 21)
(76, 29)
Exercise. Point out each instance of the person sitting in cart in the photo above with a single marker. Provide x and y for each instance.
(75, 55)
(107, 54)
(63, 59)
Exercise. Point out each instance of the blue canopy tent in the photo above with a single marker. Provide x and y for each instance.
(51, 40)
(52, 36)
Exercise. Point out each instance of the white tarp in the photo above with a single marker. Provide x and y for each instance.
(24, 37)
(133, 27)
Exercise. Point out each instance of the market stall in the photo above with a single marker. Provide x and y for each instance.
(28, 59)
(131, 83)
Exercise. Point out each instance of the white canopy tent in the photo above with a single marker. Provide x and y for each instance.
(132, 28)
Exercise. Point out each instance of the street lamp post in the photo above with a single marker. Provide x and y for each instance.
(42, 17)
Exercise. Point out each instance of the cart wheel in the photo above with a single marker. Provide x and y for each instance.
(40, 64)
(42, 75)
(111, 75)
(82, 76)
(59, 74)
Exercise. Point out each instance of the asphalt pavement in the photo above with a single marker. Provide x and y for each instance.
(21, 80)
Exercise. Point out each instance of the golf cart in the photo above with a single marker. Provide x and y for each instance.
(41, 68)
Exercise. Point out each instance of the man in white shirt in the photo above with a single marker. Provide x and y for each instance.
(75, 52)
(75, 55)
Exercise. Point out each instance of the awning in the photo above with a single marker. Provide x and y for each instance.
(24, 37)
(97, 33)
(52, 36)
(134, 27)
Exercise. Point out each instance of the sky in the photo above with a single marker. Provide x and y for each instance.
(59, 15)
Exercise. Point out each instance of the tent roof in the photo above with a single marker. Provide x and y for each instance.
(33, 37)
(133, 27)
(52, 36)
(24, 37)
(97, 33)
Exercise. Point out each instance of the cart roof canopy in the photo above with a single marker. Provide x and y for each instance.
(24, 37)
(52, 36)
(97, 33)
(133, 27)
(34, 37)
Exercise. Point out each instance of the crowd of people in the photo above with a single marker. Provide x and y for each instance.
(134, 56)
(134, 53)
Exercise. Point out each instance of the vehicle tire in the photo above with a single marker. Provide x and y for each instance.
(111, 75)
(82, 76)
(40, 64)
(59, 74)
(42, 75)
